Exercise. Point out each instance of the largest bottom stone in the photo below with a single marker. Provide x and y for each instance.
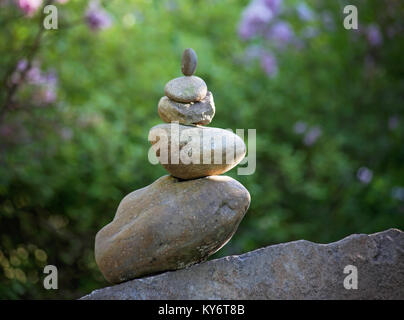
(169, 225)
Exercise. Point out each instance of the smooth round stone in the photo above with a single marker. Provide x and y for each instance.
(170, 225)
(201, 112)
(190, 152)
(189, 62)
(186, 89)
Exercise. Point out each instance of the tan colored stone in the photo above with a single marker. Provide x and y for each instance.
(201, 112)
(169, 225)
(186, 89)
(190, 152)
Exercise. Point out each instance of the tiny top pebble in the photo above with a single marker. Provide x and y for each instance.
(189, 62)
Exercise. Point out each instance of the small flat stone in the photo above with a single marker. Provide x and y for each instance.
(190, 152)
(170, 225)
(186, 89)
(189, 62)
(201, 112)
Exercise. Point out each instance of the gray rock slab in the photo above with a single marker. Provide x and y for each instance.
(294, 270)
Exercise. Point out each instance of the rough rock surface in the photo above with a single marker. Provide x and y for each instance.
(169, 225)
(186, 89)
(201, 112)
(190, 152)
(294, 270)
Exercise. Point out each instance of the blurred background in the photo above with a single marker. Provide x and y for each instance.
(76, 105)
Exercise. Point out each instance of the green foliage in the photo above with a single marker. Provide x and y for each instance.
(65, 167)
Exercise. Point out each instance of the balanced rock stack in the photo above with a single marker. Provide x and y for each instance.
(183, 218)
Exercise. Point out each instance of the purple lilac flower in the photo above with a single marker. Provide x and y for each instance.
(274, 5)
(393, 122)
(364, 175)
(281, 33)
(300, 127)
(49, 84)
(50, 78)
(97, 18)
(22, 65)
(34, 75)
(45, 83)
(269, 64)
(29, 7)
(374, 35)
(254, 19)
(46, 95)
(304, 12)
(312, 135)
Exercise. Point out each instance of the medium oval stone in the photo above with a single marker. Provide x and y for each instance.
(190, 152)
(189, 62)
(169, 225)
(201, 112)
(186, 89)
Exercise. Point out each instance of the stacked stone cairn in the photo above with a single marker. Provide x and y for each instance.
(182, 218)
